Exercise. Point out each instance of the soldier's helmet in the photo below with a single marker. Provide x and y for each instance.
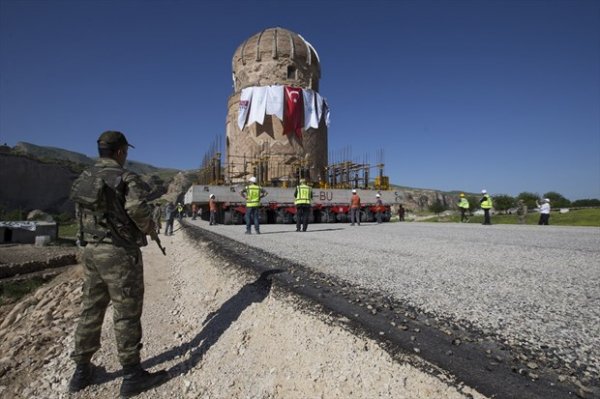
(113, 139)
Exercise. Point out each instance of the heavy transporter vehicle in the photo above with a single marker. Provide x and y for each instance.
(328, 205)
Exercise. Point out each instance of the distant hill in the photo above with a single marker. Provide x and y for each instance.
(50, 153)
(58, 154)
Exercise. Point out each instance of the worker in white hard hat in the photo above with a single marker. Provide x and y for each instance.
(212, 207)
(463, 205)
(486, 204)
(303, 196)
(354, 208)
(544, 212)
(378, 208)
(252, 193)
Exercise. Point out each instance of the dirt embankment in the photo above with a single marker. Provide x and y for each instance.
(221, 332)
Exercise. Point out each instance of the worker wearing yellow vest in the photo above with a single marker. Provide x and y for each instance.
(486, 204)
(463, 204)
(252, 193)
(303, 199)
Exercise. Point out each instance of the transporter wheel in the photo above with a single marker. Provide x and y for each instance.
(386, 216)
(342, 217)
(366, 216)
(227, 217)
(279, 218)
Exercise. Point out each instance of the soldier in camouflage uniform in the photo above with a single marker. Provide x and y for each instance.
(114, 220)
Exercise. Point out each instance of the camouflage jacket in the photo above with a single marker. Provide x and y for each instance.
(111, 205)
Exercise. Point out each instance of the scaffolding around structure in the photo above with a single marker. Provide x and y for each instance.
(283, 170)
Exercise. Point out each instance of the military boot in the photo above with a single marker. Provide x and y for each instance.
(137, 380)
(82, 377)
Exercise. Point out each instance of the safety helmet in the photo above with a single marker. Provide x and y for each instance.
(547, 199)
(252, 179)
(378, 195)
(462, 194)
(484, 191)
(353, 191)
(212, 196)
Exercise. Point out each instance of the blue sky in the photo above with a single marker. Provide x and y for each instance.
(460, 95)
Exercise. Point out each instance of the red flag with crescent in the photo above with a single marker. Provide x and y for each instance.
(293, 117)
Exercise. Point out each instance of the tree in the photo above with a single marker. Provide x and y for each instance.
(473, 203)
(586, 202)
(529, 198)
(503, 202)
(437, 207)
(557, 200)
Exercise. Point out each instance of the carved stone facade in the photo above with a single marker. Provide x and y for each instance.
(275, 56)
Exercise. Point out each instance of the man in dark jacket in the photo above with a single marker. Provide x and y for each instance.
(170, 218)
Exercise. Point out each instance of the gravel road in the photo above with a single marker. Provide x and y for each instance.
(531, 286)
(221, 332)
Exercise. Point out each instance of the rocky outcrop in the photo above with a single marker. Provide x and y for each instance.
(420, 199)
(179, 185)
(27, 182)
(39, 215)
(31, 184)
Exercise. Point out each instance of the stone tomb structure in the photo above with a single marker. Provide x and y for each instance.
(275, 56)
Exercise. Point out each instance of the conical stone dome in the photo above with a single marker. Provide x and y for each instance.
(276, 56)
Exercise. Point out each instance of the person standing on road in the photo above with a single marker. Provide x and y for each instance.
(179, 211)
(521, 211)
(378, 207)
(212, 207)
(194, 211)
(354, 208)
(302, 199)
(252, 193)
(463, 205)
(544, 212)
(486, 204)
(170, 218)
(156, 216)
(114, 219)
(401, 212)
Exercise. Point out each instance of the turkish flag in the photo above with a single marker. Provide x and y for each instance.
(293, 117)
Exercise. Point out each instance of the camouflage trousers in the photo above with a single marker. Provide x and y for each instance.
(111, 274)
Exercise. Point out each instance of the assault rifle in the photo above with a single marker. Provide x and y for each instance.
(157, 240)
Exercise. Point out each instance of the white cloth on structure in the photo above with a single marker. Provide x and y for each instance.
(310, 113)
(326, 110)
(258, 106)
(245, 99)
(319, 101)
(275, 101)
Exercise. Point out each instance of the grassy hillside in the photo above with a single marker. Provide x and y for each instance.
(576, 217)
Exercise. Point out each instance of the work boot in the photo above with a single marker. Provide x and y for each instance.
(82, 377)
(137, 380)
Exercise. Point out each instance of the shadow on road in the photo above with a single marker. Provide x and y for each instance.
(214, 325)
